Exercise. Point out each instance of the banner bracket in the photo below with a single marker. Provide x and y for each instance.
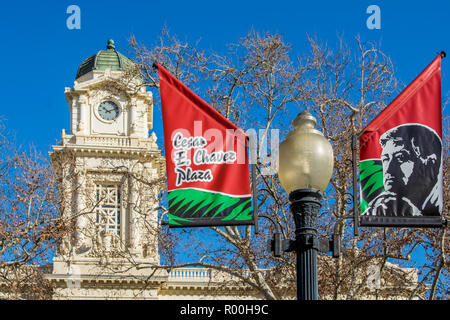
(355, 187)
(254, 198)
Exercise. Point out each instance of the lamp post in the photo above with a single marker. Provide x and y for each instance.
(305, 168)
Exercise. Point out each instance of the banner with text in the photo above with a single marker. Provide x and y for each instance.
(206, 161)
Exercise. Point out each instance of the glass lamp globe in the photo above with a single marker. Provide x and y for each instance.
(306, 157)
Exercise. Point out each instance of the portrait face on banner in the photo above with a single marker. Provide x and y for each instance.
(411, 163)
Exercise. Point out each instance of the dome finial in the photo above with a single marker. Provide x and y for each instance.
(110, 44)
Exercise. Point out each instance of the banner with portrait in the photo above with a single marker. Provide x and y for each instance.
(401, 158)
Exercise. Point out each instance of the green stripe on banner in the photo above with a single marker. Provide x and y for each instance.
(187, 206)
(240, 214)
(371, 177)
(173, 219)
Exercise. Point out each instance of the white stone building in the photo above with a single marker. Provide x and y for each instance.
(100, 163)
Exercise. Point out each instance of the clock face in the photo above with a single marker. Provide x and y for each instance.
(108, 110)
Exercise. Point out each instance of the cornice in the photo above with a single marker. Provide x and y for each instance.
(106, 149)
(108, 281)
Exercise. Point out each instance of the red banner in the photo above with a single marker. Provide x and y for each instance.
(206, 160)
(401, 157)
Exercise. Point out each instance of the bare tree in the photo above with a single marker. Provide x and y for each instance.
(30, 224)
(257, 84)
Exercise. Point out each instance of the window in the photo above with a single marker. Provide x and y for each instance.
(108, 208)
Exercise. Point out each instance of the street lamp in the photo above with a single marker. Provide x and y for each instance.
(305, 168)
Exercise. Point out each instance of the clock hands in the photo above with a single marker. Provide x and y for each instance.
(109, 111)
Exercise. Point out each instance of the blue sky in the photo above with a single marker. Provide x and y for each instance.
(40, 55)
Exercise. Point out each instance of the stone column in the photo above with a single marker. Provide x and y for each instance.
(133, 116)
(67, 205)
(81, 238)
(73, 115)
(82, 112)
(134, 238)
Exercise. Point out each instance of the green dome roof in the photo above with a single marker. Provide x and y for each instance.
(105, 59)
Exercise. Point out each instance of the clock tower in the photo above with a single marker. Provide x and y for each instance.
(109, 171)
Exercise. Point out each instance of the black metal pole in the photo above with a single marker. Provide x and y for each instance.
(305, 206)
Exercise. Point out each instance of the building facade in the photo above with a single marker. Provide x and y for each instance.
(110, 172)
